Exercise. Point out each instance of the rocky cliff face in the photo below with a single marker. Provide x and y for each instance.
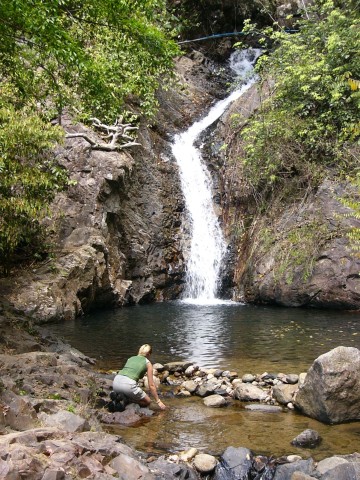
(293, 250)
(116, 234)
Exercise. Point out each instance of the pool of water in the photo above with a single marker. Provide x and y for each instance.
(243, 338)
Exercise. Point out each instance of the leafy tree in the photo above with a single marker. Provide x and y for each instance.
(91, 54)
(28, 175)
(89, 57)
(311, 116)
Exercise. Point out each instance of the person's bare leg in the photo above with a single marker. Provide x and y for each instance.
(145, 402)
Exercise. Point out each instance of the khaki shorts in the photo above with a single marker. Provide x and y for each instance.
(128, 387)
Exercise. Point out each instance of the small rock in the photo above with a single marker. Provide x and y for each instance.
(248, 378)
(307, 439)
(205, 463)
(188, 454)
(264, 408)
(215, 401)
(293, 458)
(189, 372)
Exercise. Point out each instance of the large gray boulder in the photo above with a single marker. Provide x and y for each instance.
(331, 391)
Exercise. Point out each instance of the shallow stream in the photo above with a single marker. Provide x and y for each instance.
(229, 336)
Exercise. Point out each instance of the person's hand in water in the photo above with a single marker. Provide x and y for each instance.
(162, 406)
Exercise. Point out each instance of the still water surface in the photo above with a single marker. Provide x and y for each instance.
(231, 336)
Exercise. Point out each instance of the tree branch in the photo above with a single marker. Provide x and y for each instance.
(116, 133)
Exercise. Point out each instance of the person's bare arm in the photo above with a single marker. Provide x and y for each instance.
(152, 387)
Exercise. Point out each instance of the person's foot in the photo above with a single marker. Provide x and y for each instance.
(116, 406)
(113, 396)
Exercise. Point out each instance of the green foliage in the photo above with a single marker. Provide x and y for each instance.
(298, 250)
(313, 108)
(353, 203)
(91, 55)
(55, 396)
(28, 175)
(88, 57)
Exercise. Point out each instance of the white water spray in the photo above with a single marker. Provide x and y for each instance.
(207, 241)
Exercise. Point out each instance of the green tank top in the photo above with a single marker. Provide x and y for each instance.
(135, 368)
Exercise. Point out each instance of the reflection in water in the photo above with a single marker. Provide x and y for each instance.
(232, 336)
(229, 336)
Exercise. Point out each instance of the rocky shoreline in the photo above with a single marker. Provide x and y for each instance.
(54, 413)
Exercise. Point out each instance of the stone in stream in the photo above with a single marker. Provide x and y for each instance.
(331, 390)
(205, 463)
(248, 378)
(248, 392)
(284, 393)
(173, 367)
(190, 386)
(307, 439)
(264, 408)
(215, 401)
(235, 463)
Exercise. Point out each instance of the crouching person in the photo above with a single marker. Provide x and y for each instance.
(126, 381)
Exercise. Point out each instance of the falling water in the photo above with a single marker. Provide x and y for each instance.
(207, 241)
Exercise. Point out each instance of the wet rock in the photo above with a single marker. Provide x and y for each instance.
(189, 372)
(331, 391)
(284, 393)
(248, 378)
(249, 393)
(264, 408)
(215, 401)
(190, 386)
(307, 439)
(205, 389)
(291, 378)
(177, 366)
(159, 367)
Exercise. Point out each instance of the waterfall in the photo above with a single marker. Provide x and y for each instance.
(207, 241)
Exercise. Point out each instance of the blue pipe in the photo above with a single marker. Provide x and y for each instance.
(219, 35)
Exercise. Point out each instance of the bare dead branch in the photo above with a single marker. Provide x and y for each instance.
(114, 133)
(82, 135)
